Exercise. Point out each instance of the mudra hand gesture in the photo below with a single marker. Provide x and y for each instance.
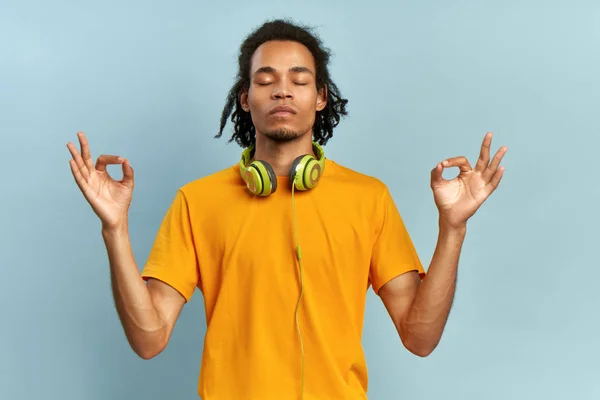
(109, 198)
(459, 198)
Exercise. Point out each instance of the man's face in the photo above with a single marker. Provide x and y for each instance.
(282, 73)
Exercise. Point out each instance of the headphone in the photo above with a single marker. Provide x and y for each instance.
(260, 178)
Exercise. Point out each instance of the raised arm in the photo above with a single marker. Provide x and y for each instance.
(148, 311)
(418, 309)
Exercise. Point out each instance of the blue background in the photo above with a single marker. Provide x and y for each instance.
(425, 80)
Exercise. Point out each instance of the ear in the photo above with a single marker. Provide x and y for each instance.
(322, 98)
(244, 100)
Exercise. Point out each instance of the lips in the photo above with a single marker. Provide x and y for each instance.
(283, 110)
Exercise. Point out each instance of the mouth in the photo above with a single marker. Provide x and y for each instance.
(282, 111)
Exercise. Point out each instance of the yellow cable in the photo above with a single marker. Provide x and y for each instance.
(299, 255)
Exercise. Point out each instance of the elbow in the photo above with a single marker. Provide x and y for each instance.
(147, 350)
(419, 347)
(421, 351)
(147, 354)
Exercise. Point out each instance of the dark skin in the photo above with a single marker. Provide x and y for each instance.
(420, 310)
(283, 73)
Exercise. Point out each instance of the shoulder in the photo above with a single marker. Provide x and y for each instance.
(350, 179)
(358, 195)
(214, 187)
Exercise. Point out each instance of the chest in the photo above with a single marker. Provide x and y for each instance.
(255, 239)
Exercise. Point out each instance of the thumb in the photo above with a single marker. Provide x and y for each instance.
(436, 175)
(127, 174)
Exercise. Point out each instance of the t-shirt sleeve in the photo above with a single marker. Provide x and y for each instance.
(393, 252)
(172, 258)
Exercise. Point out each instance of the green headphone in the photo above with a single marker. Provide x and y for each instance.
(260, 178)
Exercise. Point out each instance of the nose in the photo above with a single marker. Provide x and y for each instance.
(282, 91)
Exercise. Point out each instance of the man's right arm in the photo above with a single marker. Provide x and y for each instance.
(148, 312)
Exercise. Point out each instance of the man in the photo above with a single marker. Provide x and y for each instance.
(284, 245)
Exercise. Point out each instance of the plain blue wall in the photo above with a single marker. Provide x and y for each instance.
(426, 80)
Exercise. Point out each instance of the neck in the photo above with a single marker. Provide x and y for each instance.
(281, 155)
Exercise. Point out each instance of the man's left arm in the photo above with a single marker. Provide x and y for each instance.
(420, 309)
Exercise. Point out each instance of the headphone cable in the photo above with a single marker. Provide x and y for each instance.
(299, 256)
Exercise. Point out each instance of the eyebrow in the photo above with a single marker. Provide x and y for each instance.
(271, 70)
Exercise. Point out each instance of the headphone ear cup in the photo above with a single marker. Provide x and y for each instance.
(260, 178)
(305, 172)
(296, 171)
(312, 173)
(251, 176)
(269, 181)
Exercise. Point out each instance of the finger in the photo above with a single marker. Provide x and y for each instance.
(491, 170)
(436, 175)
(461, 162)
(85, 151)
(484, 153)
(127, 174)
(79, 179)
(105, 160)
(85, 173)
(495, 181)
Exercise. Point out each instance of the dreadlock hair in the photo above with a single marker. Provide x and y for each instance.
(244, 132)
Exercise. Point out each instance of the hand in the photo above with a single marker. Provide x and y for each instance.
(458, 199)
(110, 199)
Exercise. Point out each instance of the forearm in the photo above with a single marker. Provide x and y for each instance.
(425, 321)
(140, 319)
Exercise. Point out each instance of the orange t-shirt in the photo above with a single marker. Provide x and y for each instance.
(240, 251)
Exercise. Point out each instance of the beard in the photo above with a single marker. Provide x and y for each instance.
(282, 135)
